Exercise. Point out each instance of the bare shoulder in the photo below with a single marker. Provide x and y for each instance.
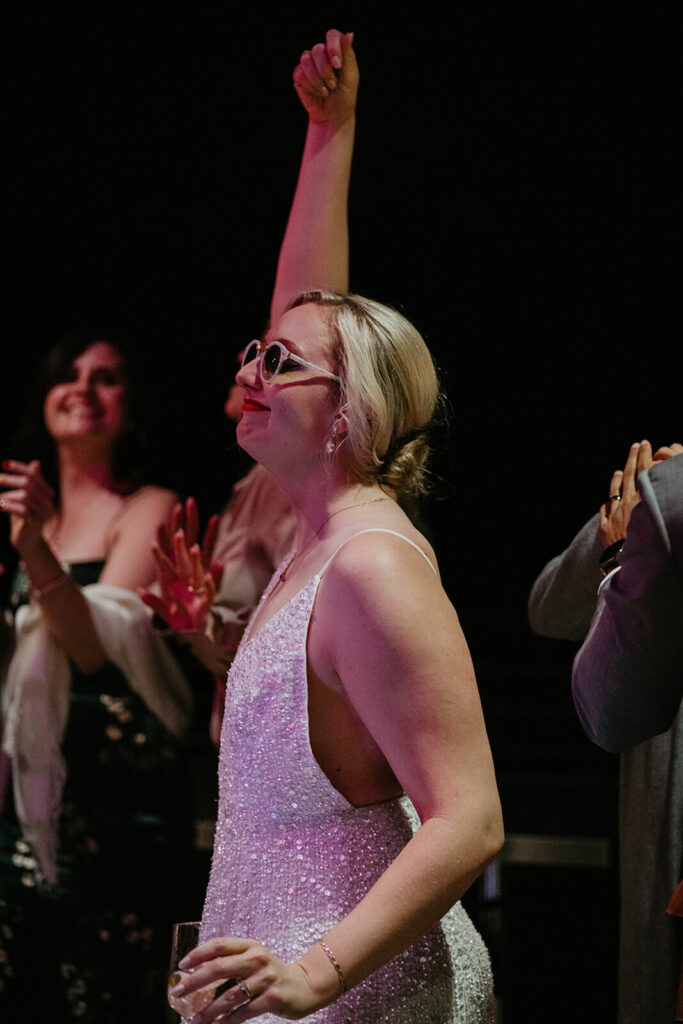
(384, 575)
(381, 554)
(146, 508)
(383, 613)
(130, 562)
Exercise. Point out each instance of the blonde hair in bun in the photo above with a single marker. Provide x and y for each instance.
(389, 389)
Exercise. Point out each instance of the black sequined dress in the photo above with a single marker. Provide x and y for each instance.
(95, 946)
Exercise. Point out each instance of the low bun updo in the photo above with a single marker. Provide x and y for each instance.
(389, 390)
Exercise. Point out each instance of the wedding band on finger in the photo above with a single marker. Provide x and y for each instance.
(613, 497)
(197, 590)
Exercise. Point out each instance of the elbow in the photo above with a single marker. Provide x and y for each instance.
(604, 725)
(489, 835)
(486, 829)
(87, 654)
(535, 614)
(493, 835)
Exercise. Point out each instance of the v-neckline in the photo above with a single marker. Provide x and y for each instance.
(249, 635)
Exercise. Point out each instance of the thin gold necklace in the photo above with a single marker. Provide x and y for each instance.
(344, 508)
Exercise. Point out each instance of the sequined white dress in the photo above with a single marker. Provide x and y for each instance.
(292, 856)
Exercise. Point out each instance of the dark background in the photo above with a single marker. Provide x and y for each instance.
(512, 194)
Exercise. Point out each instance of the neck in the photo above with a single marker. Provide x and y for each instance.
(81, 475)
(313, 529)
(318, 507)
(317, 488)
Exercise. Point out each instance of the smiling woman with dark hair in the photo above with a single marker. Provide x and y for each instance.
(94, 708)
(130, 455)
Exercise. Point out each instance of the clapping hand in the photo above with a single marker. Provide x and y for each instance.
(28, 498)
(615, 513)
(188, 579)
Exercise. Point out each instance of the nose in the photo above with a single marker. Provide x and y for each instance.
(83, 383)
(248, 376)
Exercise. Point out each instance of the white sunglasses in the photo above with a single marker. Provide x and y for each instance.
(273, 355)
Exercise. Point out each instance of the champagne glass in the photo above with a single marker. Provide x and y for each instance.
(185, 938)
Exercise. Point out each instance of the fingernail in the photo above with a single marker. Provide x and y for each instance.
(182, 964)
(178, 990)
(336, 61)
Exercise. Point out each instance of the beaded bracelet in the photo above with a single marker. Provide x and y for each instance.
(47, 588)
(333, 960)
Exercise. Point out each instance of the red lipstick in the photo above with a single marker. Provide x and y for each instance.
(251, 405)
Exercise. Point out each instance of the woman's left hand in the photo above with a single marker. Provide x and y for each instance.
(265, 984)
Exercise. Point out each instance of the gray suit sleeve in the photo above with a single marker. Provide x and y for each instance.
(627, 677)
(563, 598)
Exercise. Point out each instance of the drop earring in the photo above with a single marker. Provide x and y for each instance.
(330, 447)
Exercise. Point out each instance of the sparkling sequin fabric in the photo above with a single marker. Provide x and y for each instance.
(292, 856)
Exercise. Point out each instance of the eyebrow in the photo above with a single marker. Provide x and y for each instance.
(289, 345)
(94, 367)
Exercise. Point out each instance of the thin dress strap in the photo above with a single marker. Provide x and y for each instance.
(378, 529)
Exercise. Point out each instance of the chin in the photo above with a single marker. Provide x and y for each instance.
(246, 439)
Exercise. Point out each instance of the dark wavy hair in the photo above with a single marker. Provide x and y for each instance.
(34, 441)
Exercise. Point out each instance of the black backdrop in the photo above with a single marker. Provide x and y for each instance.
(512, 194)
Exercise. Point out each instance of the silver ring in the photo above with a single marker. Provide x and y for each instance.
(247, 991)
(2, 502)
(614, 497)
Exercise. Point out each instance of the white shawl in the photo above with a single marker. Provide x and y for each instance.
(36, 701)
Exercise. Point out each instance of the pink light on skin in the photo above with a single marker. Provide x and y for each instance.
(235, 400)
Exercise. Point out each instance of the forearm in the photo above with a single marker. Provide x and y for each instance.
(626, 678)
(64, 608)
(315, 247)
(563, 597)
(431, 873)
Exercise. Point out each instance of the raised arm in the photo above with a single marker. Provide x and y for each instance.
(315, 247)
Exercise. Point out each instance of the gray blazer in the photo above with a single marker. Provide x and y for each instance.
(627, 678)
(627, 686)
